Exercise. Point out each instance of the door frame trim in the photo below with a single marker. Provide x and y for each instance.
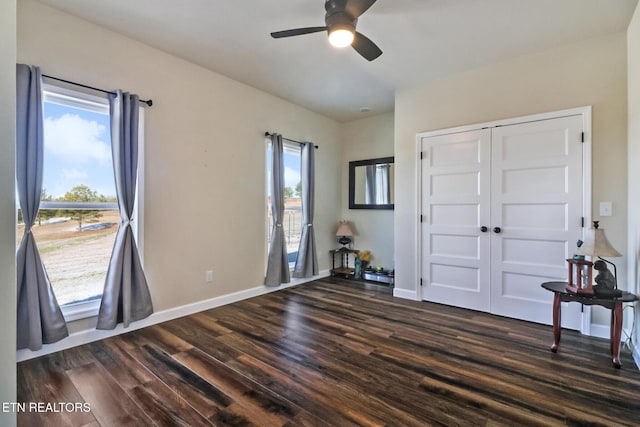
(586, 114)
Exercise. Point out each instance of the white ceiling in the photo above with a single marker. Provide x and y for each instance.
(421, 39)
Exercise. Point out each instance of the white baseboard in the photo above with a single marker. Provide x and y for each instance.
(90, 335)
(635, 352)
(603, 331)
(600, 331)
(406, 294)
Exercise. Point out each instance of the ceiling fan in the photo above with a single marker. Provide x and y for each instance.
(341, 19)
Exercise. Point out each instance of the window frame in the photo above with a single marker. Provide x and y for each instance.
(82, 99)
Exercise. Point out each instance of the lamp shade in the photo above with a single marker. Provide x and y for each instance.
(344, 229)
(596, 244)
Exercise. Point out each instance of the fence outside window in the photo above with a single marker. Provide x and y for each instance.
(292, 225)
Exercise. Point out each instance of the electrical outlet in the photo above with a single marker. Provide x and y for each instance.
(208, 276)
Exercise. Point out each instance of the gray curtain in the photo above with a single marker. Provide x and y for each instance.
(39, 319)
(277, 263)
(307, 260)
(126, 295)
(370, 184)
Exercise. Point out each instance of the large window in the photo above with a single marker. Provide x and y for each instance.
(292, 221)
(78, 219)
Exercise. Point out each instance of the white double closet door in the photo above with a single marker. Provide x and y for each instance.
(501, 210)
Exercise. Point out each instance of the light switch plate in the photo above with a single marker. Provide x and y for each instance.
(606, 209)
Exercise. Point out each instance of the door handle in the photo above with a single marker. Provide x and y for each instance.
(484, 229)
(497, 229)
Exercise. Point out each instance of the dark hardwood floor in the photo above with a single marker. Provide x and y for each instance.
(335, 353)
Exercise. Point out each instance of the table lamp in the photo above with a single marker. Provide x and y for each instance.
(345, 232)
(597, 245)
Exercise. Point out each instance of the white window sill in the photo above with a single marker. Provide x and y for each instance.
(80, 310)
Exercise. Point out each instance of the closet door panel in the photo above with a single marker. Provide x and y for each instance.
(536, 200)
(455, 205)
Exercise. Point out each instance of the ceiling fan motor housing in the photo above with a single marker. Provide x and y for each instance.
(337, 17)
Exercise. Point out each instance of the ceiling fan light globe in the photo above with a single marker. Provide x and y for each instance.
(341, 37)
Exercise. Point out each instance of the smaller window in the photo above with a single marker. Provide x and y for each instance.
(292, 221)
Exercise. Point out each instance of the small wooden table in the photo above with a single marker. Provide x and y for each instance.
(343, 270)
(560, 294)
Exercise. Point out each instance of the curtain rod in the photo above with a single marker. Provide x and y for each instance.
(149, 102)
(287, 139)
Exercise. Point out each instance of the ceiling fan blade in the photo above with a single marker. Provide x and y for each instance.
(356, 8)
(365, 47)
(297, 32)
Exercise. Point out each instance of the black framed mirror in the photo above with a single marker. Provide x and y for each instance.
(371, 183)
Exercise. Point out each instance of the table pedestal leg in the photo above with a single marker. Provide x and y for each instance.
(556, 322)
(616, 334)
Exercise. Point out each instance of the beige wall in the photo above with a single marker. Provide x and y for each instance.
(7, 208)
(204, 158)
(369, 138)
(592, 72)
(633, 49)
